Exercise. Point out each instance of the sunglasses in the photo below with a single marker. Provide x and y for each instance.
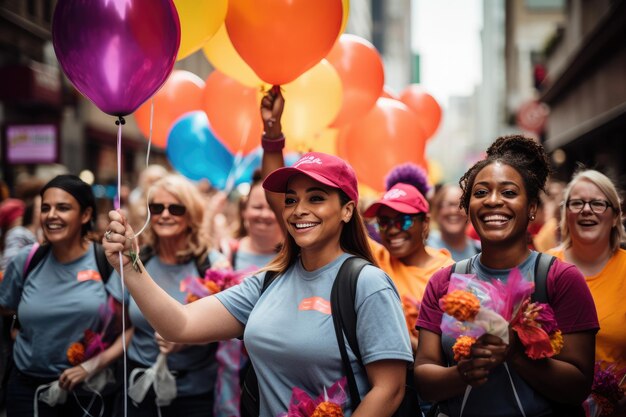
(402, 222)
(174, 209)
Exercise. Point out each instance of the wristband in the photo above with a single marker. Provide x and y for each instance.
(273, 145)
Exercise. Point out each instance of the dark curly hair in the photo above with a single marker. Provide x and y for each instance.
(524, 154)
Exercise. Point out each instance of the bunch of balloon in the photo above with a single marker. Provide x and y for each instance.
(312, 101)
(387, 136)
(181, 93)
(360, 68)
(195, 151)
(117, 54)
(199, 21)
(233, 110)
(281, 39)
(424, 106)
(221, 53)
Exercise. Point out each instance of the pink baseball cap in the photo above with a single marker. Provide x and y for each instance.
(327, 169)
(403, 198)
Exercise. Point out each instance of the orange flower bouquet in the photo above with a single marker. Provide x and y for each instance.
(473, 307)
(95, 342)
(328, 404)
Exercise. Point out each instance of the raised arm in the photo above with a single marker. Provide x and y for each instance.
(203, 321)
(272, 142)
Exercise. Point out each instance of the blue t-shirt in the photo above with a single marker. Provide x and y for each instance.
(55, 305)
(290, 335)
(471, 247)
(497, 392)
(195, 365)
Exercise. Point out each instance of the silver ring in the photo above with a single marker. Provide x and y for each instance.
(465, 374)
(107, 235)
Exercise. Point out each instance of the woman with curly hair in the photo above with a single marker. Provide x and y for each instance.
(500, 195)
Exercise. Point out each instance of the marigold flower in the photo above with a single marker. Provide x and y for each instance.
(556, 341)
(327, 409)
(212, 286)
(463, 347)
(191, 298)
(76, 353)
(462, 305)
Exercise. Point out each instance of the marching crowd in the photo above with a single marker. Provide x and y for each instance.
(105, 318)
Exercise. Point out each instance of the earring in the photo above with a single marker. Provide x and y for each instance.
(532, 217)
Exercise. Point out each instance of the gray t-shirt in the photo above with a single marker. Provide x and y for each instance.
(195, 365)
(56, 304)
(16, 238)
(290, 335)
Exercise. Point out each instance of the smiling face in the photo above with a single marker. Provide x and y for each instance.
(314, 215)
(259, 219)
(402, 244)
(499, 208)
(585, 226)
(450, 218)
(61, 217)
(166, 225)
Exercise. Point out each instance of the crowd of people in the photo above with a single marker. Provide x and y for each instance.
(103, 316)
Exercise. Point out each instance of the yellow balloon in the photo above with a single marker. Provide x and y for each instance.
(324, 141)
(346, 12)
(222, 55)
(199, 20)
(311, 102)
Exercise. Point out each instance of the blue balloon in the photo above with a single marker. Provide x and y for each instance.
(291, 158)
(195, 151)
(246, 167)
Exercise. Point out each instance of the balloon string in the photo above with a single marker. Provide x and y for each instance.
(145, 225)
(117, 204)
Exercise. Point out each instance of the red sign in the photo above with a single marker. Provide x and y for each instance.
(532, 116)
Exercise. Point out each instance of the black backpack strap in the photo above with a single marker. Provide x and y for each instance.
(104, 267)
(342, 297)
(37, 257)
(542, 267)
(462, 267)
(270, 276)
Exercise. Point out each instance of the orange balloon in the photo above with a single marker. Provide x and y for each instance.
(424, 105)
(181, 93)
(233, 111)
(387, 136)
(362, 75)
(281, 39)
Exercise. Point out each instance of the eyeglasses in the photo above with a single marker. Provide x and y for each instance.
(597, 206)
(174, 209)
(402, 222)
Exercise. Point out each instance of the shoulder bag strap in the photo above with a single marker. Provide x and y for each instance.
(342, 297)
(542, 267)
(104, 267)
(36, 255)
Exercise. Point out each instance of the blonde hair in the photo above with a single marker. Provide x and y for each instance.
(189, 196)
(610, 191)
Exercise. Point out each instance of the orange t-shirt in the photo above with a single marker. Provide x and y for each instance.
(608, 289)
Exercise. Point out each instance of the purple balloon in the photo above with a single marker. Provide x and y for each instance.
(117, 53)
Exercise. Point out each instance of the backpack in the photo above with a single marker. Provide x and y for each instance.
(543, 263)
(342, 297)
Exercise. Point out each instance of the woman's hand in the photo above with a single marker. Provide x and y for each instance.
(119, 237)
(72, 377)
(166, 346)
(488, 352)
(272, 106)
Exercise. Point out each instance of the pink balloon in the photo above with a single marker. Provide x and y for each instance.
(117, 53)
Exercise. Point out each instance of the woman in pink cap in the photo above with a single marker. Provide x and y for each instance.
(402, 220)
(289, 330)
